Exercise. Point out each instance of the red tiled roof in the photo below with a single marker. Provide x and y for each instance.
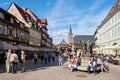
(113, 7)
(20, 10)
(43, 21)
(32, 16)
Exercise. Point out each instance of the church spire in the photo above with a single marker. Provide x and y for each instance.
(70, 36)
(70, 30)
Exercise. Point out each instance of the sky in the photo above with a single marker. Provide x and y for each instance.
(83, 15)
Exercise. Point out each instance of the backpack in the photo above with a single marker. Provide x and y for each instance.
(12, 59)
(93, 63)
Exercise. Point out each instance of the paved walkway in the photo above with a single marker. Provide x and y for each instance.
(52, 71)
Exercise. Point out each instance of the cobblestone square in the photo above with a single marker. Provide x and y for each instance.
(52, 71)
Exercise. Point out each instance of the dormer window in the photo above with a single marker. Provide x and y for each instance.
(1, 15)
(11, 20)
(12, 8)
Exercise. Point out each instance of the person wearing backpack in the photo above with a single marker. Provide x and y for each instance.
(14, 61)
(92, 64)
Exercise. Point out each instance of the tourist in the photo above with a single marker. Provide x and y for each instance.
(49, 56)
(53, 56)
(73, 64)
(14, 61)
(117, 60)
(61, 60)
(92, 64)
(35, 58)
(46, 57)
(41, 57)
(23, 61)
(101, 64)
(78, 59)
(8, 54)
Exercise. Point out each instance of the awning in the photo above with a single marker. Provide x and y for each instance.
(115, 47)
(6, 46)
(31, 48)
(20, 47)
(47, 49)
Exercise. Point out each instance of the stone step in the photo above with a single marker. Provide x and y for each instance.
(83, 68)
(84, 64)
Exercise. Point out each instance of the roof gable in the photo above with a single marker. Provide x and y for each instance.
(18, 12)
(63, 42)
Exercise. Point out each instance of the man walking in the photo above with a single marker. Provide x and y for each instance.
(14, 62)
(8, 54)
(23, 61)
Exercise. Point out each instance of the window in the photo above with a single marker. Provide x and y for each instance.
(15, 33)
(15, 14)
(21, 25)
(11, 20)
(119, 14)
(12, 8)
(10, 32)
(27, 18)
(1, 29)
(5, 30)
(1, 15)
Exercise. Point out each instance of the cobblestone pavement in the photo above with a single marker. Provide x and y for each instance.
(52, 71)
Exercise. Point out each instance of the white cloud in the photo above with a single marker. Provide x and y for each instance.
(61, 13)
(60, 33)
(84, 21)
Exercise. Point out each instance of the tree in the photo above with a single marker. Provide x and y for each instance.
(78, 46)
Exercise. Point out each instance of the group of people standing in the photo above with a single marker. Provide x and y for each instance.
(12, 60)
